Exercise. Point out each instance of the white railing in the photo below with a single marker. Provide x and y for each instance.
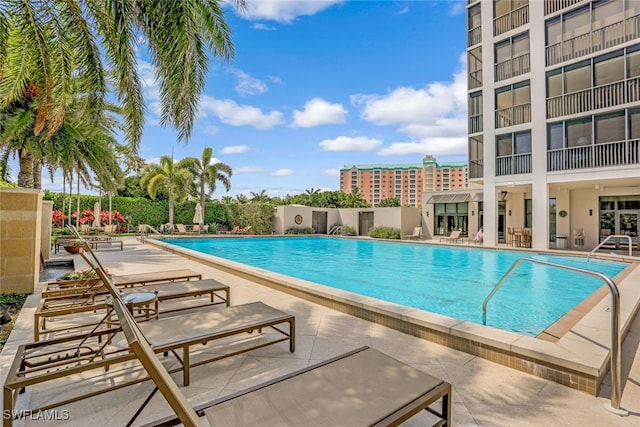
(514, 19)
(513, 164)
(617, 153)
(515, 115)
(551, 6)
(512, 67)
(594, 41)
(475, 79)
(475, 123)
(474, 36)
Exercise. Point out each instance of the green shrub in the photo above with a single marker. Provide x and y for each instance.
(300, 230)
(8, 300)
(348, 231)
(384, 233)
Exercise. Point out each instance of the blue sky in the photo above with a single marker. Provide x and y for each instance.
(315, 86)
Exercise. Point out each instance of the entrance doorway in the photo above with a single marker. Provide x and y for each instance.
(365, 223)
(319, 222)
(619, 215)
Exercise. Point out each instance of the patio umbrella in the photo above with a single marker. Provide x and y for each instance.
(197, 217)
(96, 214)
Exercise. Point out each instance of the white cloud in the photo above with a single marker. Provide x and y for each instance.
(248, 169)
(456, 7)
(434, 118)
(282, 172)
(235, 149)
(332, 172)
(285, 11)
(247, 85)
(347, 143)
(319, 112)
(231, 113)
(264, 27)
(209, 129)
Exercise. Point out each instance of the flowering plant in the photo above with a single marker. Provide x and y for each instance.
(57, 216)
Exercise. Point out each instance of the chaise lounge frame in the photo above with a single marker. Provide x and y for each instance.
(362, 387)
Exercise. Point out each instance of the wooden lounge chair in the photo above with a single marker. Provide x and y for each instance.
(182, 229)
(454, 237)
(50, 360)
(416, 235)
(363, 387)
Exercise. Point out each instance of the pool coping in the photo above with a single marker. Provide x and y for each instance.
(579, 359)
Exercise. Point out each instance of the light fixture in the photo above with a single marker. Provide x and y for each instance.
(472, 213)
(509, 212)
(590, 212)
(427, 213)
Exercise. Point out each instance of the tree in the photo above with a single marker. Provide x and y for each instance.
(354, 199)
(390, 202)
(176, 178)
(206, 175)
(313, 196)
(47, 44)
(260, 197)
(226, 200)
(241, 199)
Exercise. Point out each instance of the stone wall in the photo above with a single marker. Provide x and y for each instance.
(20, 236)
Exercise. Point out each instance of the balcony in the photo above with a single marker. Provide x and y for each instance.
(618, 153)
(514, 164)
(512, 67)
(551, 6)
(596, 98)
(475, 79)
(594, 41)
(511, 116)
(474, 36)
(516, 18)
(475, 123)
(476, 169)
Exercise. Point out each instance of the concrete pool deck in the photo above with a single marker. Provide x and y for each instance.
(485, 393)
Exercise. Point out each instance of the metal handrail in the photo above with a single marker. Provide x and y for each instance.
(609, 238)
(145, 229)
(615, 320)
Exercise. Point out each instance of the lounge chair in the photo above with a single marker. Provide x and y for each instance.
(182, 229)
(45, 361)
(363, 387)
(416, 235)
(454, 237)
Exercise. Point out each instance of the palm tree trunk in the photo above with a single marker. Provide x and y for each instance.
(37, 174)
(170, 206)
(202, 203)
(25, 176)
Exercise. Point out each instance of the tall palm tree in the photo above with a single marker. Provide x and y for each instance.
(206, 175)
(226, 200)
(260, 197)
(47, 45)
(312, 196)
(242, 199)
(172, 176)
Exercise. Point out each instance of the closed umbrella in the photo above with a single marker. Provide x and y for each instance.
(197, 217)
(96, 214)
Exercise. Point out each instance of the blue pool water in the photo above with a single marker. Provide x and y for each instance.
(452, 281)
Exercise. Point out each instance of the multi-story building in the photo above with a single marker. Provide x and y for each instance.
(554, 118)
(406, 182)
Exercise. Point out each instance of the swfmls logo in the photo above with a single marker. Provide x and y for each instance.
(51, 415)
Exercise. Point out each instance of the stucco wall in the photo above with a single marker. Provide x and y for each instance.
(45, 228)
(20, 237)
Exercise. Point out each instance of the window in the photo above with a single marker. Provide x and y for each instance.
(555, 137)
(606, 13)
(578, 78)
(634, 124)
(579, 132)
(610, 127)
(609, 70)
(504, 146)
(523, 143)
(528, 213)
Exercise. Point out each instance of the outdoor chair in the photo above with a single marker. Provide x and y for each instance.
(454, 237)
(239, 327)
(416, 235)
(363, 387)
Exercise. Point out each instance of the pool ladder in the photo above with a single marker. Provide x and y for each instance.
(614, 405)
(613, 236)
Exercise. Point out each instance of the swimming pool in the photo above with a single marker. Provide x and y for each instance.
(451, 281)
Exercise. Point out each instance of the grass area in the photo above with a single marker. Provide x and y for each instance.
(11, 304)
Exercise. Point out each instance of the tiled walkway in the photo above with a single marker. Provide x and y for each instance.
(485, 394)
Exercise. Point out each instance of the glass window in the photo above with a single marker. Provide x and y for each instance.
(475, 60)
(634, 124)
(474, 17)
(579, 132)
(633, 64)
(463, 207)
(475, 149)
(475, 103)
(439, 208)
(629, 204)
(503, 98)
(523, 143)
(522, 95)
(503, 51)
(555, 138)
(610, 128)
(632, 8)
(607, 13)
(520, 45)
(450, 207)
(609, 71)
(504, 145)
(528, 213)
(577, 79)
(501, 7)
(577, 23)
(554, 85)
(554, 32)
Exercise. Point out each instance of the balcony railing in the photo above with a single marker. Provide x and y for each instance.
(513, 164)
(512, 67)
(594, 41)
(514, 19)
(551, 6)
(476, 169)
(515, 115)
(618, 153)
(474, 36)
(475, 79)
(475, 123)
(596, 98)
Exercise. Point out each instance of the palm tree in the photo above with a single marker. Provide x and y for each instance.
(260, 197)
(241, 199)
(355, 199)
(226, 200)
(312, 195)
(51, 50)
(171, 176)
(206, 175)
